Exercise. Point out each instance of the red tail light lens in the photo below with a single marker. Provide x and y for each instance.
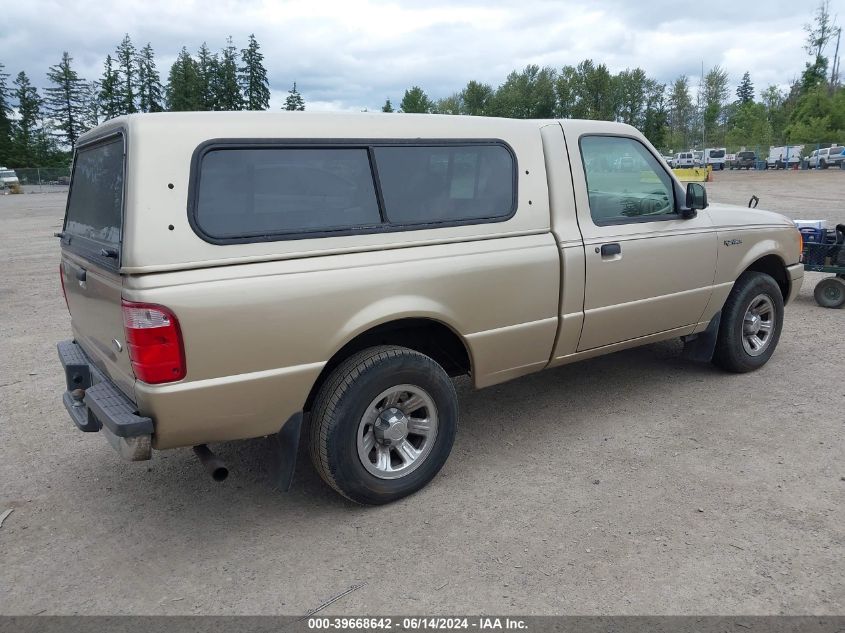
(154, 342)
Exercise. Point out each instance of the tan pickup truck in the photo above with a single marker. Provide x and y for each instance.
(238, 275)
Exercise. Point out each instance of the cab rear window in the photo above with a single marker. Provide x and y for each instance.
(95, 203)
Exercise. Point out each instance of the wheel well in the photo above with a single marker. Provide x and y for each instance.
(426, 336)
(773, 266)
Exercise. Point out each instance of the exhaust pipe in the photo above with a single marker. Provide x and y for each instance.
(213, 464)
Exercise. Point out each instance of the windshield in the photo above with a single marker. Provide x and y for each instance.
(717, 153)
(96, 195)
(7, 174)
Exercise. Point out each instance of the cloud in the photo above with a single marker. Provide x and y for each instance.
(352, 54)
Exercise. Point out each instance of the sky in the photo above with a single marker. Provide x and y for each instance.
(353, 54)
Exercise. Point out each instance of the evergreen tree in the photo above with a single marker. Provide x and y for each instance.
(415, 100)
(387, 107)
(183, 85)
(108, 97)
(128, 80)
(207, 72)
(745, 90)
(26, 138)
(65, 100)
(294, 100)
(149, 82)
(5, 118)
(228, 91)
(253, 77)
(92, 104)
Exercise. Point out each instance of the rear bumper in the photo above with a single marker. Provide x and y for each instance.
(96, 404)
(796, 278)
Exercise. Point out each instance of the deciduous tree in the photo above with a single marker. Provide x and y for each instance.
(415, 100)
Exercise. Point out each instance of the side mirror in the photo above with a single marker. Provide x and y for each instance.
(696, 198)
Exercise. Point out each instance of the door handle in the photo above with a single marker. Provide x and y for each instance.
(608, 250)
(81, 274)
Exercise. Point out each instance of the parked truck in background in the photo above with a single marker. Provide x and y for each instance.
(825, 157)
(8, 178)
(744, 159)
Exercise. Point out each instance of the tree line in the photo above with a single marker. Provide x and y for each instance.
(40, 127)
(37, 128)
(673, 116)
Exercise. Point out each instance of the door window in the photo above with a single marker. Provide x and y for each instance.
(625, 182)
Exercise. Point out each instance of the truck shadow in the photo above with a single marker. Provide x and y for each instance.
(173, 494)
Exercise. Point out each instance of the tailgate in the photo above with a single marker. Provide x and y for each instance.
(91, 241)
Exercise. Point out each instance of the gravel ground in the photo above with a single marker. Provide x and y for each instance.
(636, 483)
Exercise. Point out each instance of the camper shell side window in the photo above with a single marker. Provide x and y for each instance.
(255, 190)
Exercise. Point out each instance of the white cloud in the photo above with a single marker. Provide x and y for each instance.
(348, 55)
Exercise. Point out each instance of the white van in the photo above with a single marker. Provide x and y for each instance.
(684, 160)
(715, 156)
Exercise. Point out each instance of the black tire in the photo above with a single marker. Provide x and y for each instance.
(823, 164)
(730, 353)
(830, 292)
(340, 406)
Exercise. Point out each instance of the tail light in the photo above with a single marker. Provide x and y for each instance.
(62, 279)
(154, 342)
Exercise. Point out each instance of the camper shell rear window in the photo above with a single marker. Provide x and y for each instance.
(94, 214)
(250, 191)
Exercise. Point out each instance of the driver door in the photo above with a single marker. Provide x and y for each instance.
(647, 270)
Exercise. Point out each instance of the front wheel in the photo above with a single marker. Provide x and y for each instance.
(751, 323)
(383, 424)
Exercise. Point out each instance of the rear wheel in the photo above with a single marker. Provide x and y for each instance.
(751, 323)
(830, 292)
(383, 424)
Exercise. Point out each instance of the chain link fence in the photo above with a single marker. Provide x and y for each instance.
(39, 180)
